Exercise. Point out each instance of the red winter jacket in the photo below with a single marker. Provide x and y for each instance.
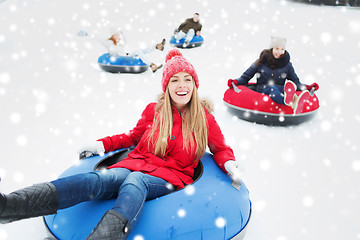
(177, 166)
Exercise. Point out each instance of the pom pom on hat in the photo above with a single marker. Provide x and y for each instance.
(173, 53)
(175, 63)
(277, 42)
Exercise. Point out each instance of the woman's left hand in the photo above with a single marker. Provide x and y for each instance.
(314, 85)
(233, 169)
(90, 149)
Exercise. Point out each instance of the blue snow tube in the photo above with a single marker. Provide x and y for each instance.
(196, 41)
(210, 208)
(121, 64)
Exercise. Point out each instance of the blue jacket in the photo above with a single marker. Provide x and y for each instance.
(271, 71)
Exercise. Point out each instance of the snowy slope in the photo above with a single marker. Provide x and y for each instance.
(303, 180)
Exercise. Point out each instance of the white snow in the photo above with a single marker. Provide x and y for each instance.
(303, 180)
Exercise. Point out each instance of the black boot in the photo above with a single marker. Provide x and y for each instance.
(2, 202)
(112, 226)
(37, 200)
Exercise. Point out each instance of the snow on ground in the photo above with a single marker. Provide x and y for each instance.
(303, 180)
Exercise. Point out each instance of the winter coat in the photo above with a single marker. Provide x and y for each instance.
(119, 50)
(271, 71)
(189, 24)
(112, 49)
(177, 166)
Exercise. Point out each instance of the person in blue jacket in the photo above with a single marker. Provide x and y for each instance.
(276, 77)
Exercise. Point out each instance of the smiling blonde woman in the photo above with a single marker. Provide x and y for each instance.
(170, 138)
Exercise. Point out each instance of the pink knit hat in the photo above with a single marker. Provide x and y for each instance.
(174, 63)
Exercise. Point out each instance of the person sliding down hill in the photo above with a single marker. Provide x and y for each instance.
(188, 29)
(116, 45)
(276, 77)
(170, 137)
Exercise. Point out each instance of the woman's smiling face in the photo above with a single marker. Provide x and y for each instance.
(181, 87)
(278, 52)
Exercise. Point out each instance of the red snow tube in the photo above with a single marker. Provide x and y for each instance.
(257, 107)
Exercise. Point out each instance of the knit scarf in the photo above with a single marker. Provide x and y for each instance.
(267, 58)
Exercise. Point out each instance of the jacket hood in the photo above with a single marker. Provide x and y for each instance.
(208, 105)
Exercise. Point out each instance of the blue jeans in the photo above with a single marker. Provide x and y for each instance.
(275, 92)
(131, 190)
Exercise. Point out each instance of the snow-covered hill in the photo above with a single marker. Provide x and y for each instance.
(303, 180)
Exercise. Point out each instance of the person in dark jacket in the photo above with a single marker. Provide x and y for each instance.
(188, 29)
(170, 138)
(276, 77)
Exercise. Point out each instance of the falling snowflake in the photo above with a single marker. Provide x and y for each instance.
(220, 222)
(224, 14)
(327, 162)
(326, 126)
(18, 177)
(139, 237)
(181, 213)
(71, 65)
(51, 21)
(2, 174)
(22, 140)
(356, 166)
(4, 78)
(265, 165)
(15, 118)
(152, 12)
(260, 205)
(289, 156)
(189, 190)
(355, 26)
(326, 37)
(358, 80)
(308, 201)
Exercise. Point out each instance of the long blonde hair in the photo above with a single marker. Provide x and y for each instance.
(194, 125)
